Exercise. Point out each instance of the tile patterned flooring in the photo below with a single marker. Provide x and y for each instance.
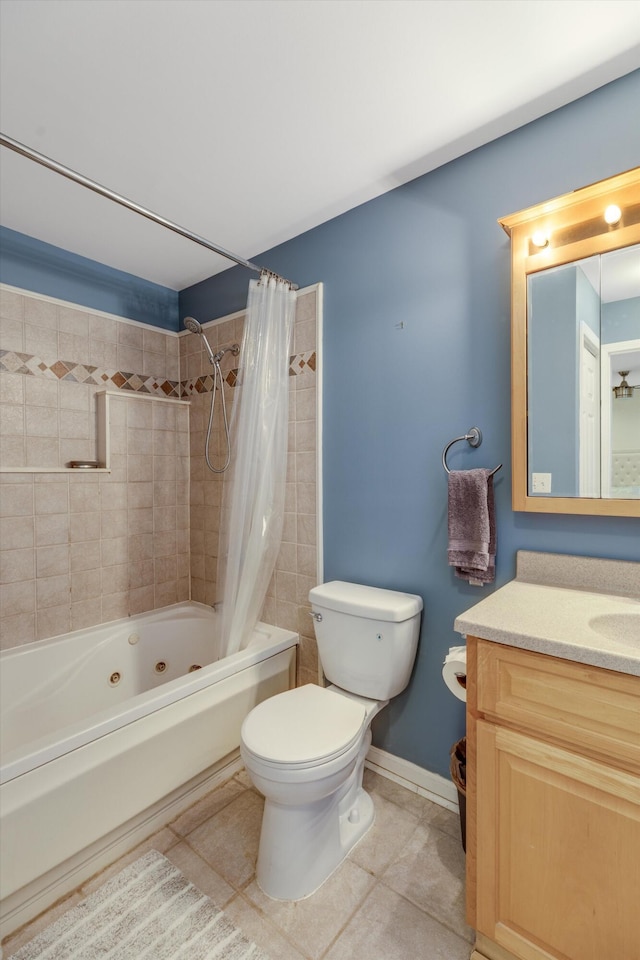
(398, 896)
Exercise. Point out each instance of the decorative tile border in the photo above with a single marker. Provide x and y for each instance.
(302, 363)
(204, 384)
(68, 370)
(32, 366)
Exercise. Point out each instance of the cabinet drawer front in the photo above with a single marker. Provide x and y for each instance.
(594, 709)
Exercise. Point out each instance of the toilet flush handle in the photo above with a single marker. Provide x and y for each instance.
(316, 616)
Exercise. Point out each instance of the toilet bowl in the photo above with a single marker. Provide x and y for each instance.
(305, 749)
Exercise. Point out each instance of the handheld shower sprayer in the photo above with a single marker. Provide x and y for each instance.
(194, 326)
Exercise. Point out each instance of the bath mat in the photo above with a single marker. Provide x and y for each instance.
(148, 911)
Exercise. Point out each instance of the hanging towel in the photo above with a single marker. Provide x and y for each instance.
(472, 527)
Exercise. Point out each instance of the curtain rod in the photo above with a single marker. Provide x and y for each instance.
(31, 154)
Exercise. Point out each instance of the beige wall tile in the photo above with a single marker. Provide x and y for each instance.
(115, 606)
(53, 528)
(73, 321)
(41, 341)
(113, 551)
(53, 621)
(17, 565)
(142, 574)
(12, 305)
(13, 451)
(17, 598)
(42, 452)
(52, 591)
(140, 520)
(11, 334)
(16, 500)
(83, 497)
(17, 630)
(16, 533)
(12, 388)
(52, 561)
(130, 334)
(85, 585)
(41, 392)
(103, 328)
(86, 613)
(115, 579)
(166, 593)
(113, 496)
(85, 556)
(129, 359)
(41, 421)
(141, 599)
(85, 526)
(140, 547)
(12, 420)
(113, 523)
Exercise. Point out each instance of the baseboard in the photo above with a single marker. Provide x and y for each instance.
(415, 778)
(30, 901)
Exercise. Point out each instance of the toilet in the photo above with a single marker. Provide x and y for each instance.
(304, 749)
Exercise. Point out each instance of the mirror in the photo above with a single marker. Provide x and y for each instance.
(583, 340)
(576, 351)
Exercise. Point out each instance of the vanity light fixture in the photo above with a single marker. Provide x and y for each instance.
(623, 391)
(539, 238)
(612, 214)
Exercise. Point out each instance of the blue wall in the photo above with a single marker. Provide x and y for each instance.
(34, 265)
(431, 255)
(621, 320)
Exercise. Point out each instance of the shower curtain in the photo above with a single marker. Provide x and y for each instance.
(254, 488)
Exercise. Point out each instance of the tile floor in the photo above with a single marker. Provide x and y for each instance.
(398, 896)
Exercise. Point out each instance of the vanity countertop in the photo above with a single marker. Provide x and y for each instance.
(574, 620)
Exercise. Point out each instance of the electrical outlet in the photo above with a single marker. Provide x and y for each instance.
(541, 483)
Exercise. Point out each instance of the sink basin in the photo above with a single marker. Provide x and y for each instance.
(617, 626)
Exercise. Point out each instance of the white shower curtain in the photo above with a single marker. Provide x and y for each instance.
(254, 488)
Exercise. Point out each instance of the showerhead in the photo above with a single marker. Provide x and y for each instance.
(194, 326)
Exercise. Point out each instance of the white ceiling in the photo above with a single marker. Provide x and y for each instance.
(250, 121)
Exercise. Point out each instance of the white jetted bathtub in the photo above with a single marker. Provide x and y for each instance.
(108, 732)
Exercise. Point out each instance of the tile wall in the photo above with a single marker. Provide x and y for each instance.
(78, 549)
(81, 548)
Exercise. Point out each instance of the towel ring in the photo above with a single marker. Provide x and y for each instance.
(474, 439)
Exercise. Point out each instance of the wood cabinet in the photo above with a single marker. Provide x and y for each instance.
(553, 807)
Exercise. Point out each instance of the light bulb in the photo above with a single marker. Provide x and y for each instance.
(612, 214)
(539, 238)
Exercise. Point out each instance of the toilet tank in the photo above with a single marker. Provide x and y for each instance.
(367, 636)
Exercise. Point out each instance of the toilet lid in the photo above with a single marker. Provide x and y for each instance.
(306, 725)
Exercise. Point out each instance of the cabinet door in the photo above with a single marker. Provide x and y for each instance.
(558, 851)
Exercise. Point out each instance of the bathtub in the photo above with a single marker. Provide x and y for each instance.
(105, 731)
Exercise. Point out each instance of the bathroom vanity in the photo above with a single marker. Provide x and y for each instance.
(553, 762)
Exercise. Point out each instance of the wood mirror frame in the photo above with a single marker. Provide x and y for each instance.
(575, 226)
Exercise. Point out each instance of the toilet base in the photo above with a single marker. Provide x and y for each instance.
(300, 849)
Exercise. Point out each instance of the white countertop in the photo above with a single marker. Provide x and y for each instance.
(601, 629)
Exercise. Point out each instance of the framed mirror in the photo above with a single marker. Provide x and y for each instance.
(575, 351)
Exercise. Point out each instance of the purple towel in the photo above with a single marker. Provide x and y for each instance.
(472, 526)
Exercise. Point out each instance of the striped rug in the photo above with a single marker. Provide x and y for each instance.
(149, 911)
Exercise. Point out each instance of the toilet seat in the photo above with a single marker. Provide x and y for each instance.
(303, 727)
